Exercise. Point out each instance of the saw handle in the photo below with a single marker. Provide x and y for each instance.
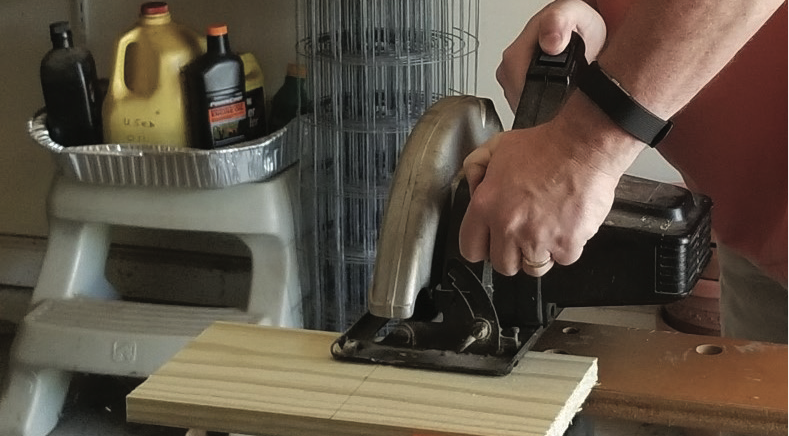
(549, 81)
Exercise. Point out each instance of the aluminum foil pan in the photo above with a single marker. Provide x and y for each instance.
(172, 167)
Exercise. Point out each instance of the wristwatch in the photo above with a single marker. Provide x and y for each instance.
(620, 106)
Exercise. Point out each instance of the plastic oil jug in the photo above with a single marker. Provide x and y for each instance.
(146, 101)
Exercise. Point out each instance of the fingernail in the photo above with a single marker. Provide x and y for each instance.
(551, 43)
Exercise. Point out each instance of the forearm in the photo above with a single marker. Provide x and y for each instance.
(663, 54)
(542, 192)
(666, 51)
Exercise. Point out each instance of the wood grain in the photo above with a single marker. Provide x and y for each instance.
(665, 378)
(262, 380)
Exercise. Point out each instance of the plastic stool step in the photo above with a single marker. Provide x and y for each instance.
(79, 326)
(112, 337)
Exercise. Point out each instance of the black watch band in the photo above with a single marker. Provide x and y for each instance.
(627, 113)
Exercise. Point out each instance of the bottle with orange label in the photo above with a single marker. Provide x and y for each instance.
(215, 94)
(145, 102)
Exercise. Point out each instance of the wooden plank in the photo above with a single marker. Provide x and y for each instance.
(641, 317)
(666, 378)
(263, 380)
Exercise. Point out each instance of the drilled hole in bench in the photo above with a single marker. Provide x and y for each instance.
(570, 330)
(709, 349)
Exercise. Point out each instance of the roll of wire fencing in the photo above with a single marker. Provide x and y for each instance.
(374, 67)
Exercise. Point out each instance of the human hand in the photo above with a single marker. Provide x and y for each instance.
(539, 202)
(552, 28)
(546, 194)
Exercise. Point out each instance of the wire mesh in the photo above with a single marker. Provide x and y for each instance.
(374, 66)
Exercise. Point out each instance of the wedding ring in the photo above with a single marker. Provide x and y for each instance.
(535, 265)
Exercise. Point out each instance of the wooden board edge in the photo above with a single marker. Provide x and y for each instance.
(576, 402)
(142, 411)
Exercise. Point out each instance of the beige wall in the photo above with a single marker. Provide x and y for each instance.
(25, 170)
(265, 27)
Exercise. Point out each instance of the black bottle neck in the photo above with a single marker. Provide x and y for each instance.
(61, 40)
(218, 44)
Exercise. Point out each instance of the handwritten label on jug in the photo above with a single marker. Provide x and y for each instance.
(137, 122)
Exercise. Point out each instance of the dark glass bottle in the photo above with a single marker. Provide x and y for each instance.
(291, 99)
(69, 85)
(215, 92)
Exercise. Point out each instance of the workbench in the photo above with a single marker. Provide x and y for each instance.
(678, 379)
(259, 380)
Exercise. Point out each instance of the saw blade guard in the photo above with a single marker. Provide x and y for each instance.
(431, 160)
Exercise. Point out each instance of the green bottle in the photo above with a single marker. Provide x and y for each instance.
(290, 98)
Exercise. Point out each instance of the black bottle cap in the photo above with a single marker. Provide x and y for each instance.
(60, 34)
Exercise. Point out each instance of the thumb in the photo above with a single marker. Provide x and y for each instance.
(475, 165)
(553, 42)
(566, 16)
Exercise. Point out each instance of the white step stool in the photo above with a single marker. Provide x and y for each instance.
(78, 325)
